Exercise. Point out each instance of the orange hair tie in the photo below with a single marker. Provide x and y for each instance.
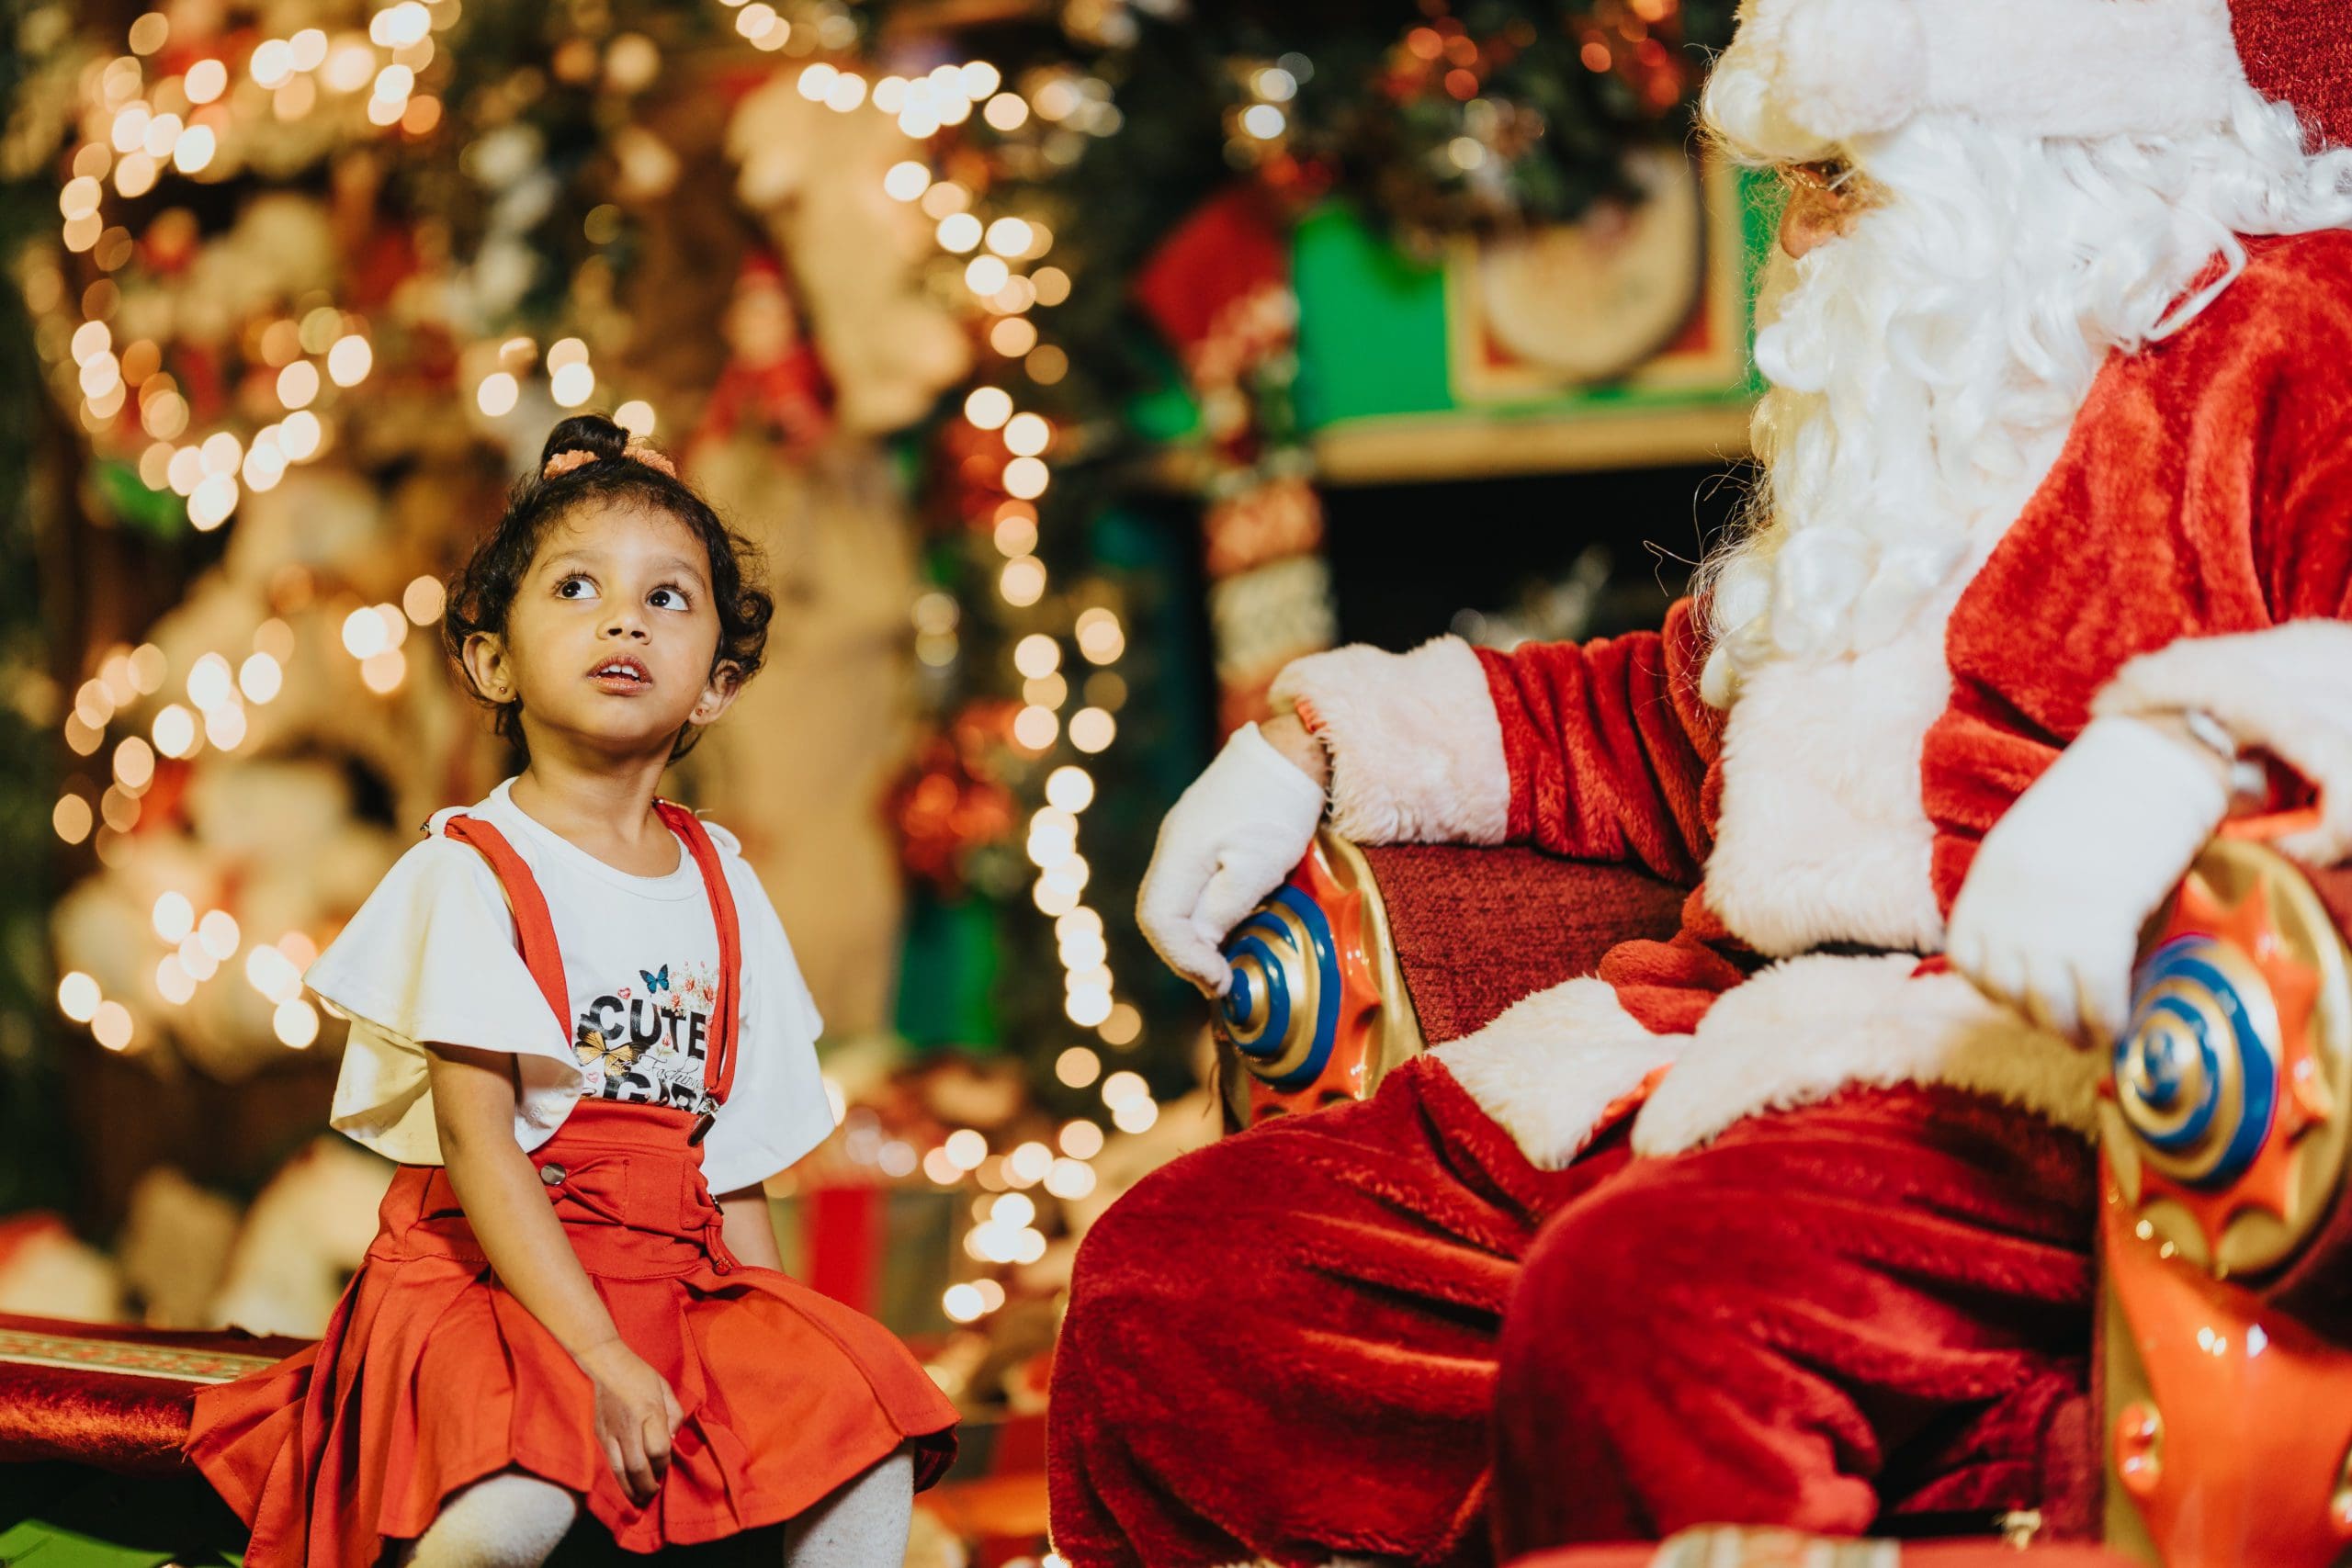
(636, 450)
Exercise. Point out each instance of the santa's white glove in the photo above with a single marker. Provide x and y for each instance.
(1228, 842)
(2048, 918)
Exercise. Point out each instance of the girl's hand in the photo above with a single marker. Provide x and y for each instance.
(637, 1414)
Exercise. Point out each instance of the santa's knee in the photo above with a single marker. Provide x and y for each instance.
(1152, 1281)
(1587, 1295)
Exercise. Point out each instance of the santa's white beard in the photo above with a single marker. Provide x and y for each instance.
(1925, 366)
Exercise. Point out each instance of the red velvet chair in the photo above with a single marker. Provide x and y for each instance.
(2220, 1428)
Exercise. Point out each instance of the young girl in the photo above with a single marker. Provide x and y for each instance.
(576, 1023)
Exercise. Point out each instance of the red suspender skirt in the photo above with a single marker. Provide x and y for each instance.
(431, 1376)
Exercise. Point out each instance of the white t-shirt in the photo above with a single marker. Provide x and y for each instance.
(432, 955)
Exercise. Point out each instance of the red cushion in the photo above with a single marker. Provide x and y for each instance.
(112, 1396)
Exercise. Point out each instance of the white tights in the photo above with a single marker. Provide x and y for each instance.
(514, 1520)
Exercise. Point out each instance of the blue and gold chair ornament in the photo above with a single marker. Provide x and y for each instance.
(1317, 1010)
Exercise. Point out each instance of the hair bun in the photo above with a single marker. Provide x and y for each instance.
(590, 433)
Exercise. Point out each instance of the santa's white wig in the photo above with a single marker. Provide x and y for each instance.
(1925, 364)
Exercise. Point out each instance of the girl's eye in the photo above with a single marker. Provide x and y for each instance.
(586, 590)
(677, 601)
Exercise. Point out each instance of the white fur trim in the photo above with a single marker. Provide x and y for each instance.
(1416, 752)
(2286, 690)
(1823, 835)
(1550, 1065)
(2051, 68)
(1808, 1026)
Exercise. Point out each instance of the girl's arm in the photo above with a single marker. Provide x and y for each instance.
(749, 1233)
(474, 1107)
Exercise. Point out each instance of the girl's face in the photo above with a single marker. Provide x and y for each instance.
(610, 639)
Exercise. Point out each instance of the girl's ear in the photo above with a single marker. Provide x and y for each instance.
(718, 694)
(484, 655)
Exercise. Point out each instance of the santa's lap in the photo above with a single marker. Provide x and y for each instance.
(1378, 1330)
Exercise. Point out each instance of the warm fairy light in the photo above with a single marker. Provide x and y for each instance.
(295, 1022)
(1077, 1067)
(77, 997)
(967, 1147)
(1087, 1006)
(571, 386)
(271, 973)
(1053, 898)
(1051, 844)
(1122, 1087)
(1091, 729)
(364, 634)
(193, 151)
(1124, 1027)
(349, 360)
(424, 600)
(1010, 237)
(1022, 582)
(1135, 1116)
(1081, 1139)
(944, 198)
(301, 436)
(1037, 654)
(814, 80)
(382, 672)
(846, 93)
(1070, 788)
(1015, 1210)
(1013, 337)
(71, 819)
(906, 181)
(272, 62)
(225, 726)
(163, 134)
(1069, 1180)
(309, 48)
(260, 677)
(1084, 951)
(1034, 727)
(958, 231)
(1015, 533)
(1052, 285)
(1027, 434)
(962, 1303)
(196, 958)
(399, 25)
(1100, 638)
(1025, 479)
(173, 984)
(208, 681)
(218, 932)
(211, 502)
(174, 731)
(150, 32)
(985, 275)
(146, 668)
(988, 407)
(940, 1168)
(636, 416)
(1006, 111)
(497, 393)
(110, 1026)
(134, 763)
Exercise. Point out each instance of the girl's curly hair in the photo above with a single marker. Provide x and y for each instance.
(480, 595)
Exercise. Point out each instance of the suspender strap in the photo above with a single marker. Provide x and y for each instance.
(720, 1074)
(536, 929)
(533, 925)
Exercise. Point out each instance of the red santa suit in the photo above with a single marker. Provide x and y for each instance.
(1838, 1264)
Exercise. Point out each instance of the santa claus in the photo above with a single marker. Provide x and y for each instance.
(1788, 1220)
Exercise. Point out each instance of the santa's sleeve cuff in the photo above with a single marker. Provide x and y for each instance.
(1417, 754)
(2286, 690)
